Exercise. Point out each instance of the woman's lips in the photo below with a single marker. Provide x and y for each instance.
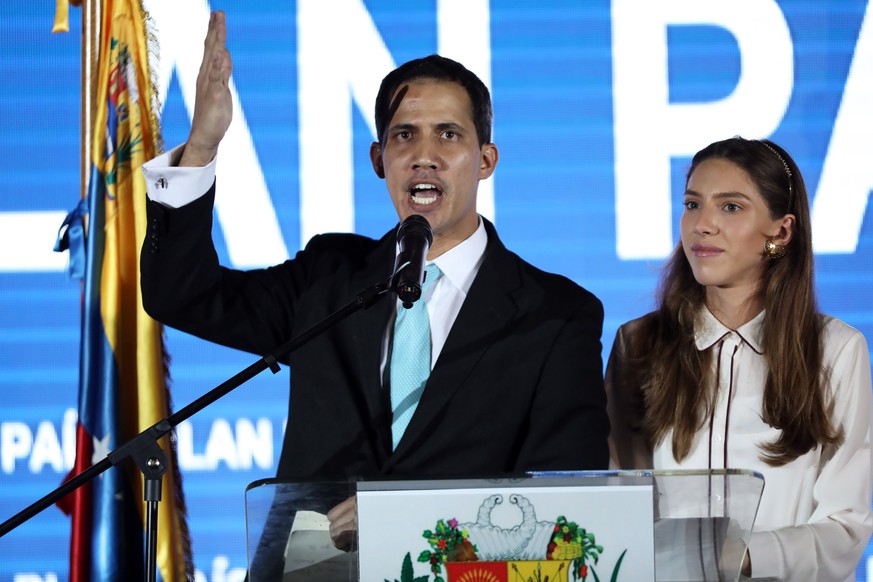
(699, 250)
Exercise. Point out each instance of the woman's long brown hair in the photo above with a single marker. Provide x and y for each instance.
(676, 376)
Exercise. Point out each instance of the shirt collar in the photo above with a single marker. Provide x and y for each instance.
(709, 330)
(460, 264)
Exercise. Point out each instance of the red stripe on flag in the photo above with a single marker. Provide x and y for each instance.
(79, 504)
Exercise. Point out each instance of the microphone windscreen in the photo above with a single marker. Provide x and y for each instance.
(415, 224)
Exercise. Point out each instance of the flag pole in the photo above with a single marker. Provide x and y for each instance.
(90, 54)
(119, 132)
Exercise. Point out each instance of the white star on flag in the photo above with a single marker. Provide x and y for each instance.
(101, 449)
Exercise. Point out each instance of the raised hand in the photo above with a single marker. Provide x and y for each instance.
(213, 106)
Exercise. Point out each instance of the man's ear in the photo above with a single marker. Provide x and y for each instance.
(376, 159)
(488, 157)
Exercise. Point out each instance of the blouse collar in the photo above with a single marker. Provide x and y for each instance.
(709, 330)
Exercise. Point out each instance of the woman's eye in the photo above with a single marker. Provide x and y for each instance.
(690, 204)
(732, 207)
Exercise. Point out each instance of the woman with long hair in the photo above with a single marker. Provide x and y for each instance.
(737, 368)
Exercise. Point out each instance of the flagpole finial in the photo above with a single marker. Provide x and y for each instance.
(62, 16)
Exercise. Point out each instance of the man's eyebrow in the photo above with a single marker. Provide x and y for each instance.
(445, 125)
(450, 125)
(401, 127)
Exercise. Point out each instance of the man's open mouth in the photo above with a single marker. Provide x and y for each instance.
(425, 193)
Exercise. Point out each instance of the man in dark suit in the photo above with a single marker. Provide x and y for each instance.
(516, 381)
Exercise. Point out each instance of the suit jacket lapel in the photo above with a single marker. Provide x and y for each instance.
(486, 311)
(368, 327)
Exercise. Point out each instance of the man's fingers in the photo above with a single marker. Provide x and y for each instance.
(344, 531)
(207, 44)
(213, 104)
(215, 41)
(346, 541)
(342, 508)
(344, 523)
(220, 26)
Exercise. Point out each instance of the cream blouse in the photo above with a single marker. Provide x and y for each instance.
(815, 517)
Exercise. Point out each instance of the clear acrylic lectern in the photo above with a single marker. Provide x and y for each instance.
(702, 521)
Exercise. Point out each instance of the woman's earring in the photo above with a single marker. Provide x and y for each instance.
(772, 250)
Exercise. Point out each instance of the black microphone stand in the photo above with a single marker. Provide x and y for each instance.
(149, 456)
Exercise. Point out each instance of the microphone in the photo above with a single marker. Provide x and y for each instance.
(414, 237)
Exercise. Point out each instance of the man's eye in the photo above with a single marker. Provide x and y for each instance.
(450, 135)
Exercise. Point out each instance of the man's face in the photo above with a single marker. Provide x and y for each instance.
(432, 161)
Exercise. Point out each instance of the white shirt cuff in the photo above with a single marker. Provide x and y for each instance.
(173, 186)
(767, 555)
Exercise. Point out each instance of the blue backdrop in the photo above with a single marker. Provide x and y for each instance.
(598, 106)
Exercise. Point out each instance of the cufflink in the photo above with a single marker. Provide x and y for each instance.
(161, 183)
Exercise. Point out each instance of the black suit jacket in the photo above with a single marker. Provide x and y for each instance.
(518, 385)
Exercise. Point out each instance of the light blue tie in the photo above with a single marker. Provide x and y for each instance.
(410, 358)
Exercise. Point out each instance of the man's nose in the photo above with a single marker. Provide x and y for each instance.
(427, 156)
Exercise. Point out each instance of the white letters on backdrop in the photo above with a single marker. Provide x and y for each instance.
(338, 70)
(649, 130)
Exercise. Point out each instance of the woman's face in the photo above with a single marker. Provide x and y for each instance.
(724, 226)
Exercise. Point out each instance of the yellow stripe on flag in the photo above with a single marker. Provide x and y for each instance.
(126, 101)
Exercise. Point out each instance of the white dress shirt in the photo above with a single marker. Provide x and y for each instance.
(444, 298)
(815, 517)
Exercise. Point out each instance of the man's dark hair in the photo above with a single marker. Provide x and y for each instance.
(439, 69)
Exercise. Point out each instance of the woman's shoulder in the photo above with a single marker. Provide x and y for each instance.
(837, 330)
(636, 337)
(635, 325)
(838, 337)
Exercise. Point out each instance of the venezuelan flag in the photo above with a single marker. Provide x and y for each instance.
(123, 368)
